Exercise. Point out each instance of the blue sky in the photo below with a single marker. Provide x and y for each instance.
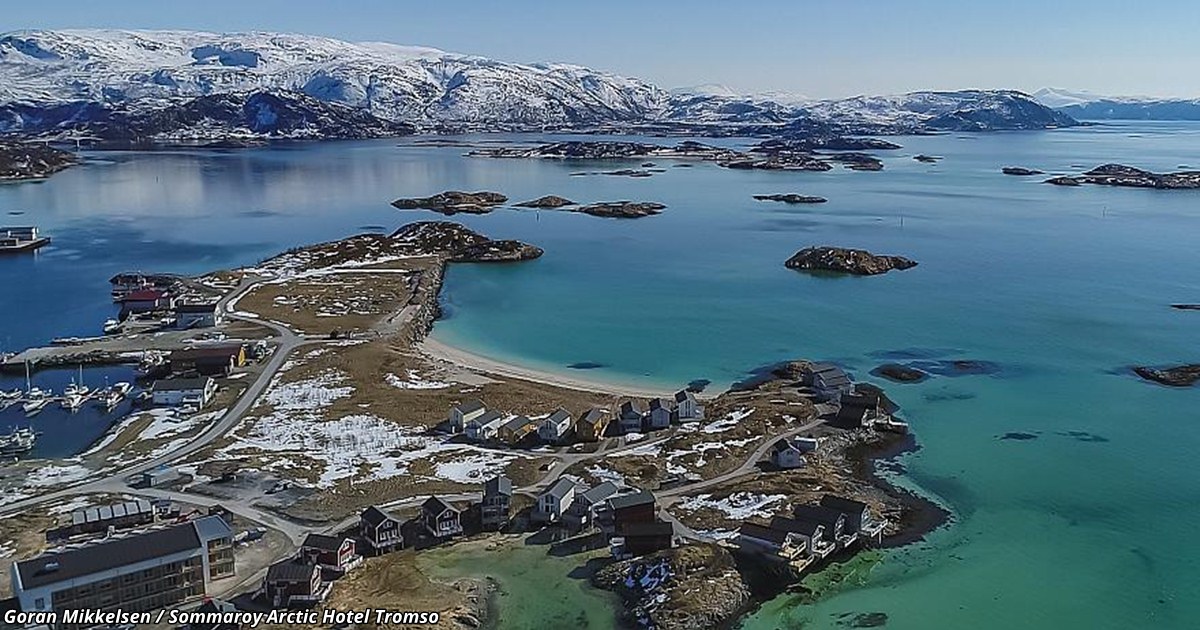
(819, 49)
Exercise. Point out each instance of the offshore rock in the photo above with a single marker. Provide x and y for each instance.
(857, 262)
(453, 201)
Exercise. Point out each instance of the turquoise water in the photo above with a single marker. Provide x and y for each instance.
(1087, 526)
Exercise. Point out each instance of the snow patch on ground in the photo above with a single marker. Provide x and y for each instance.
(414, 381)
(54, 475)
(731, 420)
(738, 506)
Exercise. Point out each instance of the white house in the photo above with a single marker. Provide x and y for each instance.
(687, 408)
(553, 503)
(197, 315)
(484, 427)
(830, 380)
(582, 510)
(786, 454)
(659, 417)
(184, 392)
(464, 412)
(555, 426)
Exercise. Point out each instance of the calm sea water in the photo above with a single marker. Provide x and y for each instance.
(1090, 525)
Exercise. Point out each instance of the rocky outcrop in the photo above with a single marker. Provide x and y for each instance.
(1063, 180)
(900, 373)
(1020, 170)
(1178, 376)
(1131, 177)
(1186, 307)
(928, 159)
(496, 251)
(620, 209)
(857, 161)
(548, 201)
(791, 198)
(458, 243)
(695, 586)
(857, 262)
(1121, 175)
(20, 160)
(778, 163)
(453, 202)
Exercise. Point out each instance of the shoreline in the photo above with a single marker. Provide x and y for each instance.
(462, 358)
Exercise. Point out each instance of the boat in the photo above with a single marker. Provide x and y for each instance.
(122, 388)
(35, 405)
(18, 441)
(112, 326)
(72, 402)
(10, 395)
(77, 388)
(14, 240)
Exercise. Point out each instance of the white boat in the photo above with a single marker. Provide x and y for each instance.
(77, 388)
(18, 441)
(35, 405)
(112, 326)
(112, 399)
(10, 395)
(122, 388)
(72, 402)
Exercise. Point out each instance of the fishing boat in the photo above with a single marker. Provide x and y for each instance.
(18, 441)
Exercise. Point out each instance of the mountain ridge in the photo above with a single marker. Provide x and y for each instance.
(165, 85)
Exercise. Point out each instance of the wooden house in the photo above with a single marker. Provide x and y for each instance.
(858, 518)
(484, 427)
(441, 519)
(631, 416)
(515, 430)
(336, 553)
(785, 455)
(553, 429)
(497, 500)
(687, 408)
(208, 360)
(659, 416)
(292, 583)
(464, 412)
(553, 503)
(380, 529)
(592, 425)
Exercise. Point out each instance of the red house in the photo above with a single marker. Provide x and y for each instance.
(330, 552)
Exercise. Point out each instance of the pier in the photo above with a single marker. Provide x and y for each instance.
(15, 240)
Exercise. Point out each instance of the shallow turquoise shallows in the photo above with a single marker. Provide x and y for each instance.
(1090, 525)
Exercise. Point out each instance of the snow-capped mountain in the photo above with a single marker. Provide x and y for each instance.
(163, 85)
(1089, 106)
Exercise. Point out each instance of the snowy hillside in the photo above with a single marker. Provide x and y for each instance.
(183, 84)
(1089, 106)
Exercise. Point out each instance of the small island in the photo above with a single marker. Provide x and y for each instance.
(900, 373)
(23, 161)
(620, 209)
(1178, 376)
(929, 159)
(1131, 177)
(453, 202)
(857, 262)
(547, 201)
(791, 198)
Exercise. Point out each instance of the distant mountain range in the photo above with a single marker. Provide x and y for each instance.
(1089, 106)
(163, 86)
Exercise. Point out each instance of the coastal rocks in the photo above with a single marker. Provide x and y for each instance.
(928, 159)
(777, 163)
(609, 150)
(19, 161)
(900, 373)
(857, 262)
(620, 209)
(1020, 171)
(1186, 307)
(826, 143)
(496, 251)
(695, 586)
(791, 198)
(548, 201)
(1063, 180)
(857, 161)
(1178, 376)
(461, 244)
(453, 201)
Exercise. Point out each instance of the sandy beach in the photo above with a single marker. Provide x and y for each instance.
(460, 357)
